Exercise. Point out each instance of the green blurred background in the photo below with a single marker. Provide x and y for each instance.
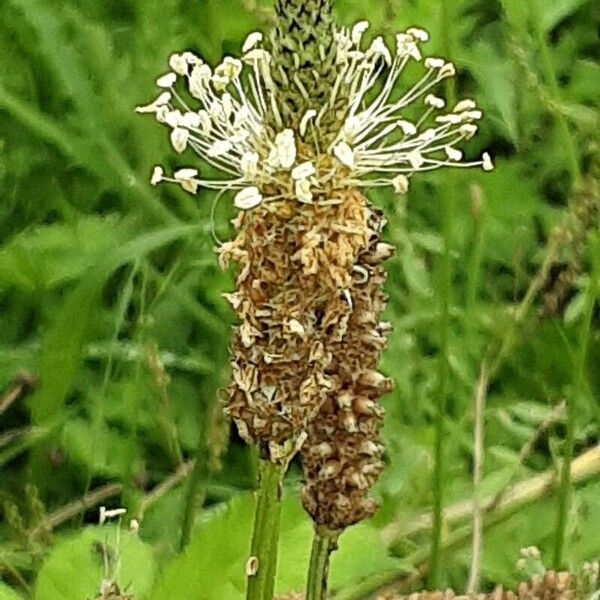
(114, 336)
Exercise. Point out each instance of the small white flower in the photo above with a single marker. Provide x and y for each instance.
(186, 177)
(106, 514)
(434, 63)
(249, 165)
(178, 64)
(191, 120)
(257, 56)
(487, 163)
(450, 118)
(296, 327)
(284, 152)
(303, 170)
(406, 46)
(468, 130)
(186, 173)
(219, 148)
(428, 135)
(198, 81)
(248, 198)
(205, 122)
(400, 183)
(179, 139)
(463, 105)
(308, 115)
(453, 153)
(378, 48)
(157, 175)
(448, 70)
(167, 81)
(173, 118)
(252, 41)
(358, 31)
(231, 124)
(228, 70)
(418, 34)
(434, 101)
(416, 159)
(162, 100)
(344, 154)
(303, 191)
(227, 104)
(407, 127)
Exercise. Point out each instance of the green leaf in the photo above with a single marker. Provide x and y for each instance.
(212, 567)
(74, 568)
(102, 450)
(63, 344)
(53, 255)
(7, 593)
(551, 14)
(495, 75)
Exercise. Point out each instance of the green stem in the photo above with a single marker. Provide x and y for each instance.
(262, 564)
(324, 544)
(564, 492)
(445, 305)
(195, 494)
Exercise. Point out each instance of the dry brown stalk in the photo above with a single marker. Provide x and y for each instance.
(583, 468)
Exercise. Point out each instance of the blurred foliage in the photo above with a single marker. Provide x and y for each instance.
(113, 334)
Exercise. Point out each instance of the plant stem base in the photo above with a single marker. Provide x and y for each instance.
(324, 544)
(262, 564)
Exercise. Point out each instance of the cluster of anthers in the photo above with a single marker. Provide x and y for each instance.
(374, 143)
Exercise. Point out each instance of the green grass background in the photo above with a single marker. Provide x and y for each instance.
(110, 299)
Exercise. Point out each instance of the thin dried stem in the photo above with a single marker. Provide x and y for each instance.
(24, 383)
(478, 459)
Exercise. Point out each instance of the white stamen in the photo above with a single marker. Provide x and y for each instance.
(407, 127)
(252, 41)
(310, 114)
(157, 175)
(419, 34)
(186, 178)
(344, 154)
(179, 139)
(453, 153)
(463, 105)
(178, 64)
(487, 163)
(303, 170)
(248, 198)
(249, 165)
(303, 191)
(434, 63)
(400, 183)
(219, 148)
(230, 125)
(162, 100)
(358, 30)
(284, 154)
(434, 101)
(167, 81)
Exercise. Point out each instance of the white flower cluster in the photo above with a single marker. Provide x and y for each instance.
(376, 145)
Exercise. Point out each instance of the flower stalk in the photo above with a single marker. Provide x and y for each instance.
(262, 563)
(297, 127)
(324, 544)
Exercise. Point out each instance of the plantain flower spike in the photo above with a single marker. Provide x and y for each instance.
(297, 126)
